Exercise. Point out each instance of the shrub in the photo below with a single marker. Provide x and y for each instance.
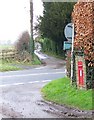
(23, 42)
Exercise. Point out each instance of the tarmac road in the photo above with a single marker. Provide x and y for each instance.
(20, 92)
(32, 75)
(55, 68)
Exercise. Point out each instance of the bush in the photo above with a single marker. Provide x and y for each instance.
(89, 76)
(23, 42)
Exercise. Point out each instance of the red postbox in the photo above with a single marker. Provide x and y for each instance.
(80, 74)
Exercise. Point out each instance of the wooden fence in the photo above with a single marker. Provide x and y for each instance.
(8, 54)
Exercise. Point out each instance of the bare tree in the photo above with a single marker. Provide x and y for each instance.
(23, 42)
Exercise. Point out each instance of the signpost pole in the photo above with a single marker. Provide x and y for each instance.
(72, 51)
(69, 34)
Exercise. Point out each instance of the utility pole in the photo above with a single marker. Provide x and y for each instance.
(31, 23)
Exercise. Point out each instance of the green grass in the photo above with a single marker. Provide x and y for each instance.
(7, 67)
(36, 61)
(60, 91)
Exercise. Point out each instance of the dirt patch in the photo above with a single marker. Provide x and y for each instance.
(65, 111)
(54, 63)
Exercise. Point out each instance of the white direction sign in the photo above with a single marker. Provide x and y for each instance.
(68, 31)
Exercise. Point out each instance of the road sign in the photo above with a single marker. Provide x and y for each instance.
(68, 31)
(67, 45)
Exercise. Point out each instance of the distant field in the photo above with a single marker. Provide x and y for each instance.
(3, 47)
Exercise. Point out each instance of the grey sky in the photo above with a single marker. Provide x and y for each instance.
(15, 17)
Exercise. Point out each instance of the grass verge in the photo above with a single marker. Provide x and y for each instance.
(13, 65)
(8, 67)
(60, 91)
(36, 61)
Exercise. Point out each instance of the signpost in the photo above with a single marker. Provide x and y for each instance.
(69, 34)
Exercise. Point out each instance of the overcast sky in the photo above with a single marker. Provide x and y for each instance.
(15, 17)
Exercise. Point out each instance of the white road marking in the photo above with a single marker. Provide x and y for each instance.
(46, 80)
(15, 84)
(40, 68)
(46, 67)
(33, 74)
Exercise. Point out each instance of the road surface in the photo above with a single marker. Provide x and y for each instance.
(30, 76)
(20, 92)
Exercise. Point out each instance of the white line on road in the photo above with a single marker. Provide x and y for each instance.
(40, 68)
(15, 84)
(34, 74)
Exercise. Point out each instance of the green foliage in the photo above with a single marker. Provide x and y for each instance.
(48, 45)
(55, 17)
(89, 76)
(60, 91)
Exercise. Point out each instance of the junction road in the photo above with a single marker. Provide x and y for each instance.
(20, 92)
(31, 76)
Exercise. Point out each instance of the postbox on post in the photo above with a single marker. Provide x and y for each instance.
(80, 70)
(80, 74)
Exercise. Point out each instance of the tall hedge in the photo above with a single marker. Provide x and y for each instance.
(83, 18)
